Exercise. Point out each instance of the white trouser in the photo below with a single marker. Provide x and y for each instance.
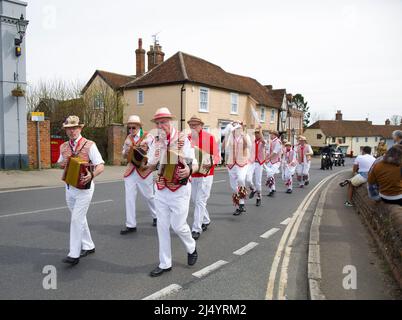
(78, 202)
(132, 184)
(172, 210)
(272, 169)
(287, 175)
(201, 189)
(254, 176)
(302, 170)
(237, 177)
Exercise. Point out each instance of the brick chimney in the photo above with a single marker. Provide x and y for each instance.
(338, 115)
(387, 122)
(269, 87)
(140, 59)
(155, 56)
(289, 97)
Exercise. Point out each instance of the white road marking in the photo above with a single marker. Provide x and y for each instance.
(46, 210)
(54, 187)
(246, 248)
(209, 269)
(219, 181)
(283, 279)
(286, 221)
(269, 233)
(281, 247)
(173, 288)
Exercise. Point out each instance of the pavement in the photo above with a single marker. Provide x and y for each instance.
(237, 255)
(351, 265)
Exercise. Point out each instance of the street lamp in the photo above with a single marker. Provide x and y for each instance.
(21, 28)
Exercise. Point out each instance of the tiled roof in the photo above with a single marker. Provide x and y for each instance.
(350, 128)
(182, 67)
(114, 80)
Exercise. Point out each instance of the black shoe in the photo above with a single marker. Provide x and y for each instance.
(195, 235)
(237, 212)
(252, 193)
(154, 222)
(158, 271)
(271, 194)
(72, 261)
(258, 203)
(84, 253)
(192, 258)
(204, 226)
(344, 183)
(274, 191)
(289, 191)
(306, 182)
(242, 208)
(128, 230)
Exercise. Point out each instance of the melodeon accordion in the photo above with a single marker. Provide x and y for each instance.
(137, 156)
(169, 167)
(203, 158)
(74, 170)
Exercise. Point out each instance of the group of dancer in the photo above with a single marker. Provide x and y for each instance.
(247, 156)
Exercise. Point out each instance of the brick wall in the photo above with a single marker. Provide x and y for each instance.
(116, 138)
(44, 129)
(384, 222)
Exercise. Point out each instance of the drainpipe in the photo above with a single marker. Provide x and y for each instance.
(183, 89)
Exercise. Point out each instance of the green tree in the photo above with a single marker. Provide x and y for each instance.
(298, 99)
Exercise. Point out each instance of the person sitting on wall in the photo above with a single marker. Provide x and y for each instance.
(361, 167)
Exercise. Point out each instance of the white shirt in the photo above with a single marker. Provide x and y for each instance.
(364, 162)
(148, 140)
(94, 154)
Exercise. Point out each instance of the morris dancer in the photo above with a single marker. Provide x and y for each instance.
(289, 163)
(303, 155)
(137, 178)
(172, 198)
(237, 149)
(78, 200)
(256, 166)
(273, 162)
(201, 183)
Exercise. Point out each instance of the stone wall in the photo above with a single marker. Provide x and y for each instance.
(384, 222)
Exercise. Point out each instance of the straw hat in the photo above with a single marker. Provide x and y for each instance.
(72, 121)
(300, 138)
(195, 119)
(274, 132)
(288, 144)
(162, 113)
(134, 119)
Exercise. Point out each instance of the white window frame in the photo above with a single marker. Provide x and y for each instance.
(99, 103)
(272, 120)
(234, 95)
(138, 97)
(263, 115)
(203, 90)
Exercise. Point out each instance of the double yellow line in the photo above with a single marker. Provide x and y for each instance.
(284, 249)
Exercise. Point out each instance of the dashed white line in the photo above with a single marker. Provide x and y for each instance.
(286, 221)
(269, 233)
(173, 288)
(209, 269)
(45, 210)
(246, 248)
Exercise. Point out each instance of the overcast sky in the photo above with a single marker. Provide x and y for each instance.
(340, 54)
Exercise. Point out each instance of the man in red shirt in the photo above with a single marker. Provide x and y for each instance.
(208, 157)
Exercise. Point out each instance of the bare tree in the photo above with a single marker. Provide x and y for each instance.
(396, 120)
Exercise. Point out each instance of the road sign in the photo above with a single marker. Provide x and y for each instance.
(38, 116)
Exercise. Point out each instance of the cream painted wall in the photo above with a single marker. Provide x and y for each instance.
(311, 135)
(154, 98)
(219, 103)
